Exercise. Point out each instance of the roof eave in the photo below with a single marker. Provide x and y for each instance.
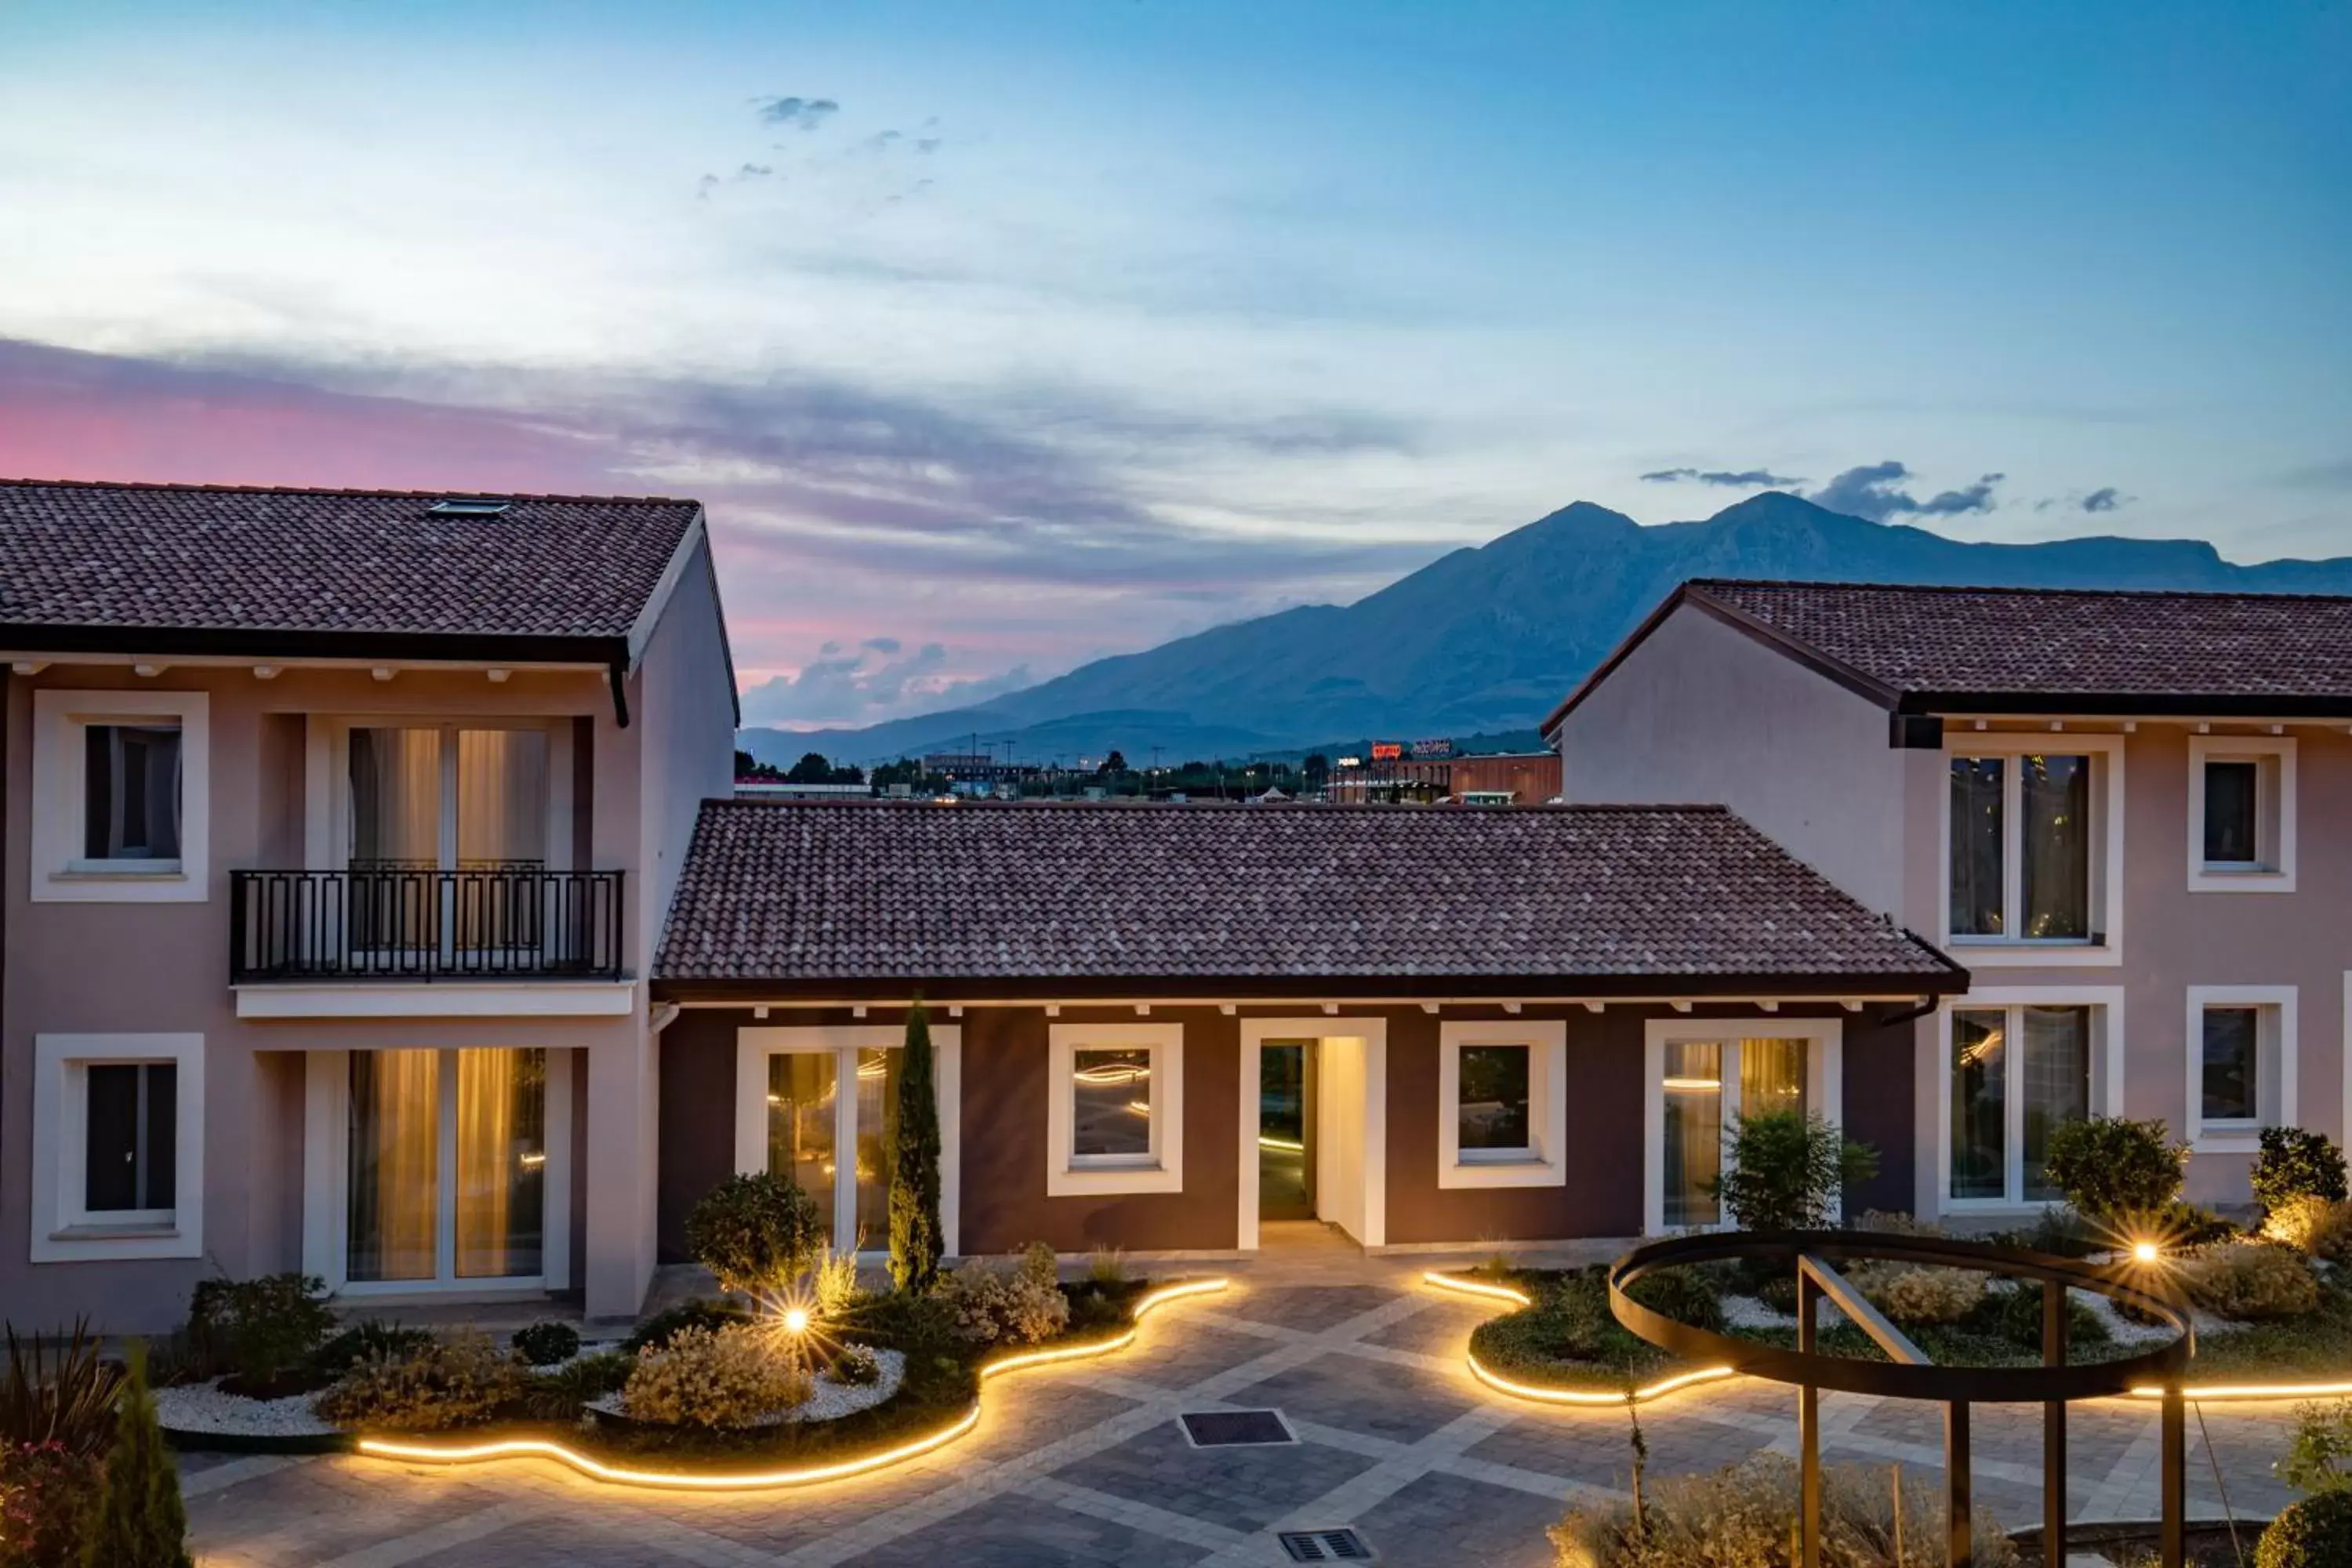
(1948, 980)
(2127, 705)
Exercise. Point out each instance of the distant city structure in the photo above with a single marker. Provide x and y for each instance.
(1426, 773)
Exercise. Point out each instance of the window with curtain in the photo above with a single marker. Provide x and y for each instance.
(395, 1178)
(2018, 1075)
(1693, 1152)
(501, 1162)
(802, 1109)
(448, 1165)
(2020, 847)
(2232, 1048)
(878, 1119)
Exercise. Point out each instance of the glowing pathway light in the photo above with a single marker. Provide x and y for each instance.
(798, 1476)
(1511, 1295)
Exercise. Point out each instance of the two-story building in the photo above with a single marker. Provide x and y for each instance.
(339, 827)
(2124, 811)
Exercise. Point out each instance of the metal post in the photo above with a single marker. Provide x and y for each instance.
(2054, 1426)
(2173, 1548)
(1809, 1430)
(1959, 1550)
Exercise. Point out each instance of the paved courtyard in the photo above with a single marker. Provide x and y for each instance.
(1086, 1464)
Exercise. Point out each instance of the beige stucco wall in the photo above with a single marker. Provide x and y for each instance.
(163, 967)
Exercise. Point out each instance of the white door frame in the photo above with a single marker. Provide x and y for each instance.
(1374, 1032)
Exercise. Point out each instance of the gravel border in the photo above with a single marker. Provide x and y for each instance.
(201, 1410)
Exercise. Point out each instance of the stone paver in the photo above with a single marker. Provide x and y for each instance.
(1085, 1465)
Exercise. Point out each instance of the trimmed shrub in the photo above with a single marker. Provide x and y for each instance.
(1685, 1295)
(2112, 1169)
(137, 1519)
(544, 1344)
(857, 1366)
(1015, 1305)
(47, 1492)
(2313, 1226)
(1744, 1517)
(461, 1381)
(2294, 1164)
(2313, 1533)
(2319, 1456)
(1921, 1296)
(756, 1233)
(701, 1312)
(2251, 1281)
(1785, 1170)
(559, 1394)
(262, 1332)
(916, 1242)
(361, 1341)
(731, 1378)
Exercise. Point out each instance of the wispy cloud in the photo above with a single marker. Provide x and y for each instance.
(800, 113)
(1743, 478)
(874, 680)
(1872, 490)
(2104, 499)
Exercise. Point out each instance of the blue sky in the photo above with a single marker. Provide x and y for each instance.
(1000, 336)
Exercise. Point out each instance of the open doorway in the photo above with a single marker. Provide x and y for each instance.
(1285, 1129)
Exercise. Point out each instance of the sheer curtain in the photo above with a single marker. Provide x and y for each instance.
(1979, 1105)
(1771, 1077)
(395, 1139)
(501, 1162)
(2056, 1065)
(2054, 812)
(877, 1114)
(501, 797)
(395, 797)
(801, 1101)
(1692, 1156)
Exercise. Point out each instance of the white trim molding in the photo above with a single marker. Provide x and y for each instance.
(2106, 1086)
(1162, 1169)
(1368, 1206)
(62, 1229)
(1824, 1084)
(2274, 1070)
(754, 1043)
(438, 999)
(2273, 758)
(58, 874)
(2106, 890)
(1544, 1164)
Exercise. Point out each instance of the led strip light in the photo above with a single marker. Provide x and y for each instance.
(806, 1475)
(1488, 1290)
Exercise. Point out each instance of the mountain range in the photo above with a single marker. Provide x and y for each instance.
(1490, 639)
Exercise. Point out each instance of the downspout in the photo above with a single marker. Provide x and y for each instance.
(618, 670)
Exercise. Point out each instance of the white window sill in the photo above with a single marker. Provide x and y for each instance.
(1525, 1172)
(121, 871)
(2239, 879)
(131, 1230)
(2233, 1138)
(1998, 953)
(1087, 1180)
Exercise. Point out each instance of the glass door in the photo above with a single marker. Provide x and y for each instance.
(447, 836)
(447, 1167)
(822, 1102)
(1707, 1086)
(1285, 1117)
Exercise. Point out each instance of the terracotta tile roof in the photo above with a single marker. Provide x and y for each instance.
(809, 896)
(2282, 647)
(206, 558)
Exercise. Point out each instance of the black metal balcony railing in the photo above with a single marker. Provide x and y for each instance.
(388, 922)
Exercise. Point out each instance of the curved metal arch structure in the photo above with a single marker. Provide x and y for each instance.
(1907, 1373)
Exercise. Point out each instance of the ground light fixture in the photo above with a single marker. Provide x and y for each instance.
(597, 1469)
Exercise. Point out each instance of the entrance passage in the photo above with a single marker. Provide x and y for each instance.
(1285, 1129)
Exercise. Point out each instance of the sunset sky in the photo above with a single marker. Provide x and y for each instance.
(1000, 336)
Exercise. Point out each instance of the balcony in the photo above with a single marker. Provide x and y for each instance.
(390, 921)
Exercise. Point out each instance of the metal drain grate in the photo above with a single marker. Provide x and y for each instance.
(1235, 1428)
(1324, 1546)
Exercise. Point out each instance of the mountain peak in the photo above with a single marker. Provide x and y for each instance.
(1582, 515)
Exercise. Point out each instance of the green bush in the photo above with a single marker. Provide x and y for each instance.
(61, 1394)
(2019, 1321)
(723, 1380)
(2313, 1533)
(137, 1519)
(700, 1313)
(1918, 1295)
(2294, 1164)
(1685, 1295)
(1017, 1306)
(373, 1338)
(2251, 1282)
(464, 1380)
(262, 1332)
(2114, 1170)
(558, 1395)
(916, 1234)
(47, 1491)
(2312, 1224)
(1744, 1517)
(544, 1344)
(1786, 1171)
(857, 1366)
(756, 1233)
(2319, 1456)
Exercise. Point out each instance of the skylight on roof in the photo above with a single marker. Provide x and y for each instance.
(470, 506)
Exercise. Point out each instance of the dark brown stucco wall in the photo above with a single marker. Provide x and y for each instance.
(697, 1126)
(1880, 1078)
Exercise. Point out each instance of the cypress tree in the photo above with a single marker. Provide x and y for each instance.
(136, 1519)
(915, 1240)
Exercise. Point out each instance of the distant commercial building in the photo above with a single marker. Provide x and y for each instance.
(1400, 772)
(1510, 778)
(977, 767)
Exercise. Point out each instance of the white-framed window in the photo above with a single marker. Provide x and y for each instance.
(1115, 1122)
(1502, 1105)
(2018, 1064)
(817, 1103)
(2241, 814)
(2033, 846)
(121, 797)
(118, 1146)
(433, 1169)
(2242, 1064)
(1702, 1075)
